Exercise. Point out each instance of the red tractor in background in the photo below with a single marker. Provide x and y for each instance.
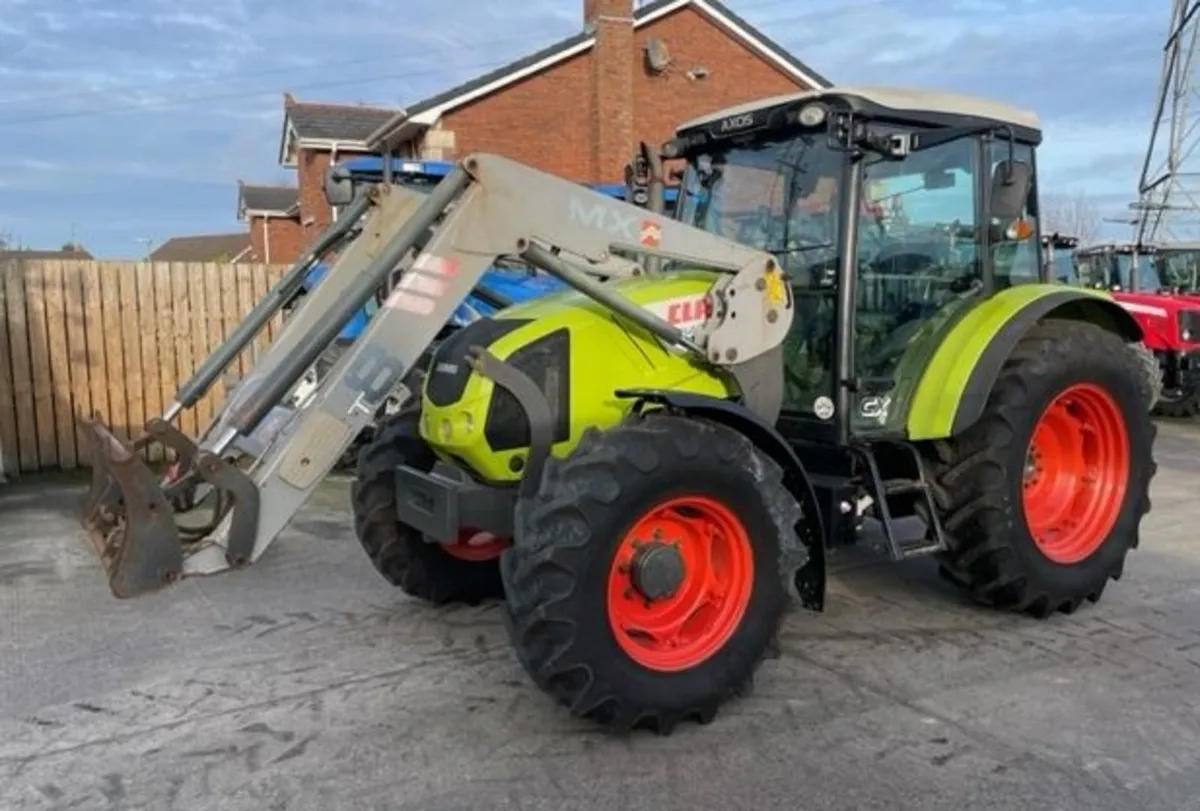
(1168, 315)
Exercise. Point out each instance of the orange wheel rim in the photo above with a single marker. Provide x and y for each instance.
(680, 583)
(475, 546)
(1076, 473)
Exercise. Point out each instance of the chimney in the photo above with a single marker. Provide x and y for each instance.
(611, 21)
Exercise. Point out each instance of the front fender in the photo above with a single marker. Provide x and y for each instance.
(955, 385)
(810, 578)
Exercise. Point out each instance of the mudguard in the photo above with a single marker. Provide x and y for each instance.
(953, 389)
(810, 578)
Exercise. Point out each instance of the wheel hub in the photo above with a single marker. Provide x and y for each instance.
(1076, 473)
(657, 570)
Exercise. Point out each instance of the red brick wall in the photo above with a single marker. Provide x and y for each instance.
(285, 237)
(546, 120)
(543, 121)
(315, 214)
(736, 74)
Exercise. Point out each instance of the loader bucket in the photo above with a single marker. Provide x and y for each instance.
(127, 518)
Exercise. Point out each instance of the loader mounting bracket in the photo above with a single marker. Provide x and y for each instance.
(228, 480)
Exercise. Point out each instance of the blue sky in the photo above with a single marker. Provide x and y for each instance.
(125, 120)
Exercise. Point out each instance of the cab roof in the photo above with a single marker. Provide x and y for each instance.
(1116, 247)
(897, 102)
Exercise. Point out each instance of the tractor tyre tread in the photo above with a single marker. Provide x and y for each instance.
(556, 574)
(991, 554)
(400, 552)
(1153, 374)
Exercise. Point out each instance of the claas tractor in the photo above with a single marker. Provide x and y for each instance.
(847, 313)
(1169, 318)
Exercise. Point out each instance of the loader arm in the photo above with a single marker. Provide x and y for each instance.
(486, 208)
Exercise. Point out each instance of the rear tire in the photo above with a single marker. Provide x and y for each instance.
(399, 552)
(576, 582)
(993, 483)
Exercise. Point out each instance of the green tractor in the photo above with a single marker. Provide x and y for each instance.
(847, 316)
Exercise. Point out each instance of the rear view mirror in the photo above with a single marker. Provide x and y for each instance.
(939, 179)
(339, 186)
(1010, 189)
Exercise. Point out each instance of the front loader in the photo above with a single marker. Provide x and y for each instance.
(847, 311)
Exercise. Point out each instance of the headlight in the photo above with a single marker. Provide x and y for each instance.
(1189, 325)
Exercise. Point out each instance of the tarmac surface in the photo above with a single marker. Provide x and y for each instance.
(307, 683)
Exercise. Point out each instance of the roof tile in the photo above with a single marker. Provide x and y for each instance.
(351, 122)
(268, 198)
(202, 248)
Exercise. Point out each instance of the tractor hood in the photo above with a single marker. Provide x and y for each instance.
(578, 353)
(1170, 321)
(677, 297)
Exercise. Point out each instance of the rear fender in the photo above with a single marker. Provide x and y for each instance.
(958, 380)
(810, 578)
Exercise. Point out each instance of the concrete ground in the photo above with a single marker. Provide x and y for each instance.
(306, 683)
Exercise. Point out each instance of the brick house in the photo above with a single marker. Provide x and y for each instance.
(314, 136)
(273, 217)
(646, 69)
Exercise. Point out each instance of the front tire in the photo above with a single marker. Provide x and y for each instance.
(1042, 498)
(464, 572)
(1182, 401)
(651, 572)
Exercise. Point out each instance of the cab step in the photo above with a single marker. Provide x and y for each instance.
(896, 495)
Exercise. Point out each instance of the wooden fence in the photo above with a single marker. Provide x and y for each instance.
(113, 338)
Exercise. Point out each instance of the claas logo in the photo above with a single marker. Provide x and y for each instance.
(687, 311)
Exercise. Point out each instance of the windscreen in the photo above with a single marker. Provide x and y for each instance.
(1180, 268)
(1143, 265)
(777, 195)
(1062, 267)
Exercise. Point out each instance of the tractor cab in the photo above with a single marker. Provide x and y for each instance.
(1179, 266)
(1058, 256)
(891, 215)
(1120, 266)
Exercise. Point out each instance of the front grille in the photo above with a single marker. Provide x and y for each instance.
(449, 372)
(1189, 325)
(547, 361)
